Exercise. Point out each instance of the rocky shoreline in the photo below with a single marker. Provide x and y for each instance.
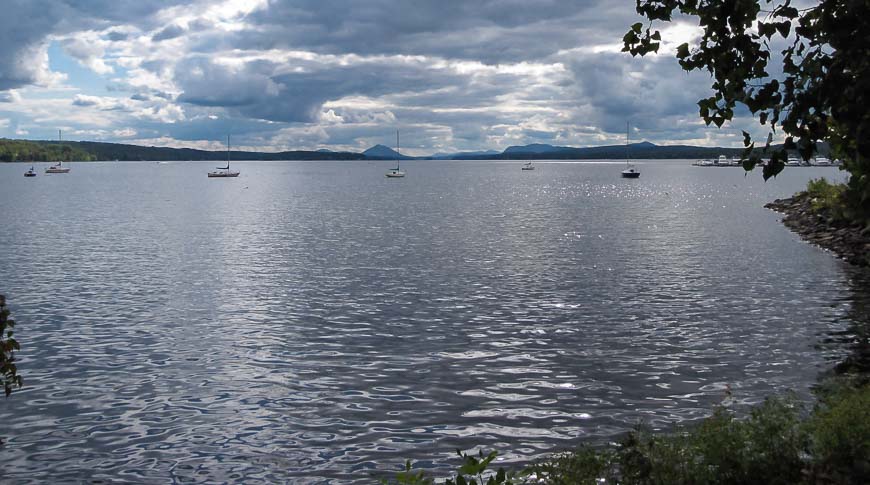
(849, 242)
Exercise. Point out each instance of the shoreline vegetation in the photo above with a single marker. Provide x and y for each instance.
(780, 441)
(50, 151)
(817, 215)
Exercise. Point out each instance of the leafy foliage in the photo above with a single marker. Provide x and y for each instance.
(9, 377)
(827, 198)
(822, 93)
(765, 448)
(779, 442)
(473, 471)
(840, 431)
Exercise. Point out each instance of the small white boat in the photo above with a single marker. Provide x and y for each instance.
(823, 162)
(703, 163)
(630, 172)
(224, 172)
(58, 167)
(793, 162)
(528, 166)
(30, 173)
(396, 172)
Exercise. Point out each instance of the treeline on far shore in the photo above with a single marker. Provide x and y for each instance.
(42, 151)
(48, 151)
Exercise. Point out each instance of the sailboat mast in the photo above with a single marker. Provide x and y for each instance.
(397, 149)
(228, 152)
(626, 143)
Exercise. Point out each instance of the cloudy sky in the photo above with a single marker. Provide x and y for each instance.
(451, 75)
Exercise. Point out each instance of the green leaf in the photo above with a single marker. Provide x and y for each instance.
(636, 27)
(683, 51)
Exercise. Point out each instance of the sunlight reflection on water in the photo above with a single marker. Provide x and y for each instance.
(325, 323)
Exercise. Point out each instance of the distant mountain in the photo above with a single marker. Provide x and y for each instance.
(464, 155)
(641, 150)
(382, 152)
(535, 148)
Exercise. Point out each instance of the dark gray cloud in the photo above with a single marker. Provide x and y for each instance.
(489, 31)
(170, 32)
(116, 36)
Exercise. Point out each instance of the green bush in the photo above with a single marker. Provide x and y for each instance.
(840, 436)
(473, 471)
(775, 444)
(827, 197)
(9, 377)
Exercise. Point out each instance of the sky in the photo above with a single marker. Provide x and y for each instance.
(279, 75)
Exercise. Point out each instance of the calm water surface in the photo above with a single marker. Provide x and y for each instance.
(317, 322)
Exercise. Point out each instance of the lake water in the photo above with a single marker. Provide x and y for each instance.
(318, 322)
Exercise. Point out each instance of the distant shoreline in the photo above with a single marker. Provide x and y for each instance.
(16, 150)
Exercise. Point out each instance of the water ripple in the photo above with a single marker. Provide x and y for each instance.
(327, 324)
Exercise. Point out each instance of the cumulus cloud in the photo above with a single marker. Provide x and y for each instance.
(88, 49)
(456, 75)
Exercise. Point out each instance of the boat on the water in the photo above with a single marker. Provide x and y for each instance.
(58, 167)
(224, 172)
(30, 173)
(528, 166)
(630, 172)
(396, 172)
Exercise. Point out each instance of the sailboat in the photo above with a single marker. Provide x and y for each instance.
(57, 167)
(30, 173)
(396, 173)
(630, 172)
(528, 166)
(225, 171)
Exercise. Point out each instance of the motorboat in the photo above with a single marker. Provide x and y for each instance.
(528, 166)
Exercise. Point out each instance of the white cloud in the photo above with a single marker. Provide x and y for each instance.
(88, 48)
(124, 133)
(309, 74)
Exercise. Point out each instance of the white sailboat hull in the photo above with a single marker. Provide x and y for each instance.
(223, 174)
